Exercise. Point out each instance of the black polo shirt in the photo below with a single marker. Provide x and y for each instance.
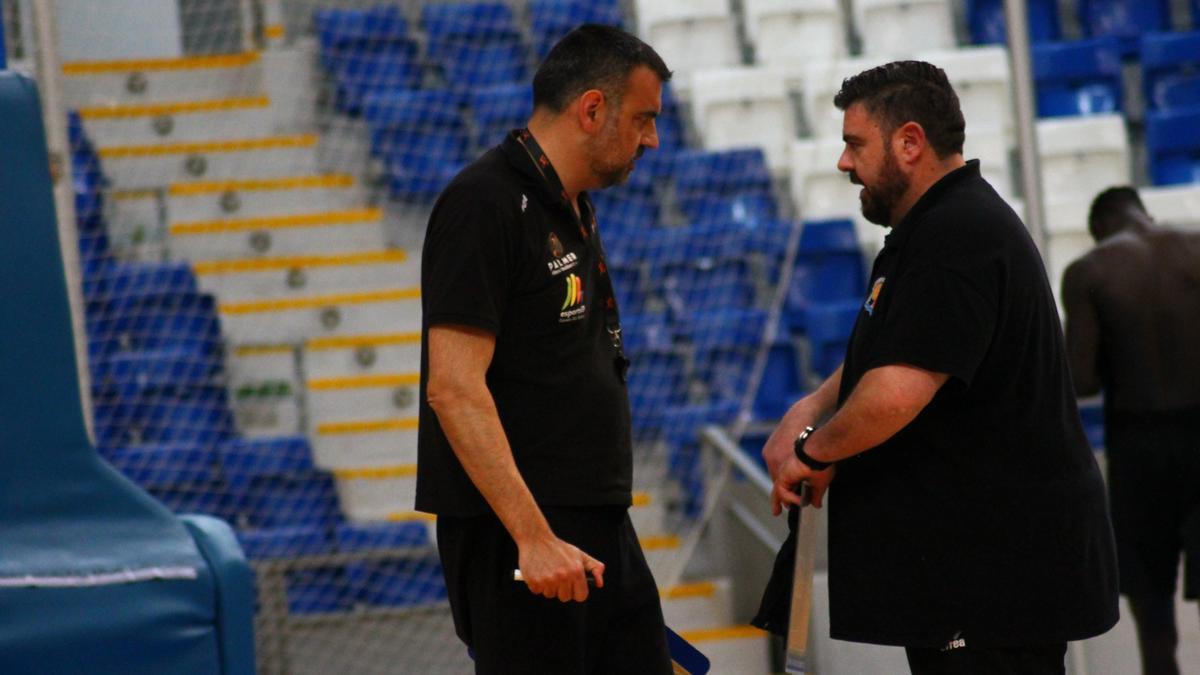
(506, 254)
(986, 514)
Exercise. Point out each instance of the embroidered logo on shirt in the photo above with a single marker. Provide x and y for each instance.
(556, 247)
(869, 305)
(572, 308)
(562, 261)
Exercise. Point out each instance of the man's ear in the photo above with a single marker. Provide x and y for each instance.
(592, 108)
(909, 142)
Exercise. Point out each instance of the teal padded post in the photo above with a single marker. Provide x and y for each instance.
(95, 575)
(235, 591)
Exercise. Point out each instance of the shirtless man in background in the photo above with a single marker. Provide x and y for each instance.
(1133, 331)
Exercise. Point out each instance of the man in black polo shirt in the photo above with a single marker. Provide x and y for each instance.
(1133, 330)
(967, 516)
(524, 440)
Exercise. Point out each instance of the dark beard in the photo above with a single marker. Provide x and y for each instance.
(879, 201)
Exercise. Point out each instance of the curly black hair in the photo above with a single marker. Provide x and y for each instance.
(909, 91)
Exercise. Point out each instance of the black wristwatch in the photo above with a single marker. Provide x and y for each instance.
(804, 457)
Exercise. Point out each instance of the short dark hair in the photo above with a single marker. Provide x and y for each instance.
(909, 91)
(592, 56)
(1110, 208)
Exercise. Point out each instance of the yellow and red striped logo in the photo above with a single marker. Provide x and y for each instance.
(574, 291)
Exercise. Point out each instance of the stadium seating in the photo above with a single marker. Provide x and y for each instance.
(1173, 145)
(745, 106)
(1078, 78)
(1081, 156)
(987, 24)
(821, 81)
(498, 109)
(1124, 19)
(828, 327)
(981, 78)
(423, 138)
(787, 32)
(550, 20)
(887, 27)
(117, 583)
(689, 34)
(1171, 69)
(474, 44)
(701, 176)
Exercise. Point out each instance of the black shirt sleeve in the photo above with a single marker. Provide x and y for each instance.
(467, 262)
(940, 320)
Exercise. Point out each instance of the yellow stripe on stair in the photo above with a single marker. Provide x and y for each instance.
(702, 589)
(208, 267)
(410, 516)
(287, 304)
(659, 543)
(260, 350)
(364, 382)
(319, 219)
(352, 341)
(182, 63)
(378, 473)
(197, 188)
(203, 147)
(97, 112)
(728, 633)
(367, 426)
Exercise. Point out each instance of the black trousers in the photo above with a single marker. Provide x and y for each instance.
(619, 629)
(966, 660)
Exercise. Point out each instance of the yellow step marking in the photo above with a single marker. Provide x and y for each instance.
(659, 543)
(261, 350)
(702, 589)
(202, 147)
(641, 499)
(377, 473)
(369, 426)
(352, 341)
(729, 633)
(134, 194)
(409, 516)
(274, 31)
(364, 382)
(176, 108)
(183, 63)
(289, 262)
(319, 219)
(286, 304)
(197, 188)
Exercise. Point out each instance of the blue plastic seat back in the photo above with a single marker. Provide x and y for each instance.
(1078, 78)
(475, 44)
(357, 75)
(987, 23)
(657, 379)
(1173, 145)
(497, 110)
(1124, 19)
(274, 483)
(550, 20)
(782, 383)
(365, 29)
(829, 236)
(706, 285)
(828, 329)
(1168, 61)
(1177, 91)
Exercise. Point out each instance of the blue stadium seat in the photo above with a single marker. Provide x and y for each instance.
(284, 542)
(683, 447)
(357, 74)
(362, 29)
(782, 382)
(274, 484)
(829, 267)
(321, 590)
(192, 415)
(694, 288)
(1124, 19)
(166, 465)
(355, 537)
(1170, 68)
(702, 175)
(474, 44)
(669, 123)
(748, 207)
(828, 329)
(645, 332)
(629, 285)
(499, 109)
(1078, 78)
(423, 138)
(398, 583)
(1173, 145)
(180, 324)
(624, 214)
(657, 380)
(550, 20)
(987, 24)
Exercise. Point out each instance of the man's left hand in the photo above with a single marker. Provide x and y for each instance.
(793, 472)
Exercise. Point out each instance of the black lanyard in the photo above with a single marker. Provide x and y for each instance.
(585, 218)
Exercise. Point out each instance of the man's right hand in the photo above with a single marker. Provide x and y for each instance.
(779, 446)
(555, 569)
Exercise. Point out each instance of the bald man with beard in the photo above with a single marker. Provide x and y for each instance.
(1133, 331)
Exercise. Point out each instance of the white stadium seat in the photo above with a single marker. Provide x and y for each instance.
(745, 106)
(821, 191)
(982, 79)
(1082, 156)
(690, 34)
(821, 81)
(1177, 205)
(991, 148)
(786, 32)
(899, 28)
